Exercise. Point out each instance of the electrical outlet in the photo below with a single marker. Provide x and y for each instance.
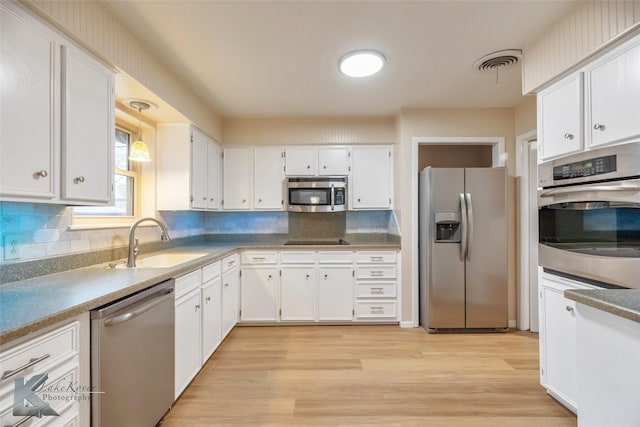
(11, 247)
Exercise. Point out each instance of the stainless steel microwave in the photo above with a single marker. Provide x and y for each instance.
(317, 194)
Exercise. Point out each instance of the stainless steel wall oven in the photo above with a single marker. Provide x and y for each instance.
(589, 215)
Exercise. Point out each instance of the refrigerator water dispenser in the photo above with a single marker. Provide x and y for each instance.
(447, 227)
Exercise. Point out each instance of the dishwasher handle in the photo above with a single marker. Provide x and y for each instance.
(137, 311)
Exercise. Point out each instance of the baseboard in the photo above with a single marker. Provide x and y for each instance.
(513, 323)
(408, 324)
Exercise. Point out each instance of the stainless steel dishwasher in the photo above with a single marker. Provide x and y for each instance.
(132, 358)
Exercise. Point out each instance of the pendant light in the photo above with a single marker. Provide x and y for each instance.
(139, 151)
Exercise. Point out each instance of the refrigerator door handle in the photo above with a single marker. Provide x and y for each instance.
(463, 226)
(469, 224)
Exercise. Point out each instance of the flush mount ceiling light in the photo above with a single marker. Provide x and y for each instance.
(139, 151)
(361, 63)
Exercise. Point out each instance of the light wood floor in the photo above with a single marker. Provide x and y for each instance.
(369, 375)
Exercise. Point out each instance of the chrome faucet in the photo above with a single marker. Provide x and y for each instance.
(133, 241)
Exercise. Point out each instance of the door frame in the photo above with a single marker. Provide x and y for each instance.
(526, 179)
(498, 158)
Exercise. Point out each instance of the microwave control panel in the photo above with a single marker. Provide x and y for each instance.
(595, 166)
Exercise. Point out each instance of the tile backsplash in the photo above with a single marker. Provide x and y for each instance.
(43, 230)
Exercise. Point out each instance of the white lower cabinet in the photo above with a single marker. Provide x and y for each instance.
(335, 292)
(230, 293)
(62, 354)
(188, 352)
(558, 338)
(376, 286)
(259, 294)
(211, 309)
(298, 293)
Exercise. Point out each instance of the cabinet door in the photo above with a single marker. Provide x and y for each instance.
(237, 179)
(88, 128)
(199, 166)
(188, 355)
(211, 317)
(298, 293)
(230, 295)
(371, 178)
(333, 161)
(335, 293)
(301, 161)
(268, 181)
(259, 294)
(560, 118)
(615, 98)
(29, 98)
(558, 332)
(214, 176)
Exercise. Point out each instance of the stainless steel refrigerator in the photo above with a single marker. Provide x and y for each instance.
(463, 249)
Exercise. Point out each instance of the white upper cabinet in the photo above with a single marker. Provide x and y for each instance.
(237, 178)
(333, 161)
(188, 169)
(88, 128)
(371, 177)
(312, 161)
(268, 178)
(57, 115)
(560, 118)
(28, 95)
(301, 161)
(614, 97)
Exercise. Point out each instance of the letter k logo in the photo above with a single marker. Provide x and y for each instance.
(24, 395)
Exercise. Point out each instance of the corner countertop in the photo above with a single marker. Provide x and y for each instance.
(620, 302)
(27, 306)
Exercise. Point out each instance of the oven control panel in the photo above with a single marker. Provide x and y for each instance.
(595, 166)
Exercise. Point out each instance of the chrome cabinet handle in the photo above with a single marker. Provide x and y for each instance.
(308, 166)
(269, 277)
(27, 365)
(598, 126)
(568, 136)
(78, 179)
(308, 277)
(378, 273)
(569, 309)
(375, 258)
(42, 174)
(226, 285)
(377, 310)
(326, 276)
(258, 258)
(197, 307)
(376, 290)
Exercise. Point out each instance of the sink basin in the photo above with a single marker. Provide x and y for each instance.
(164, 260)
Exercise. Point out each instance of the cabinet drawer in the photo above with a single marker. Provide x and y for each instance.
(335, 257)
(187, 282)
(229, 262)
(376, 290)
(211, 271)
(369, 310)
(48, 350)
(255, 257)
(297, 257)
(376, 272)
(377, 257)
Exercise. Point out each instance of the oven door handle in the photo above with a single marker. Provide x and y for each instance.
(333, 198)
(589, 188)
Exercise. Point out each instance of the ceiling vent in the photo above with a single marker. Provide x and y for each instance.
(497, 61)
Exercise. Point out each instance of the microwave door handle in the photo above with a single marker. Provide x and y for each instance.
(463, 225)
(333, 197)
(588, 188)
(469, 225)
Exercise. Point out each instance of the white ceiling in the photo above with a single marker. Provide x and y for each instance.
(279, 58)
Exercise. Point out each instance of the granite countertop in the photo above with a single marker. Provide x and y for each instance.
(620, 302)
(27, 306)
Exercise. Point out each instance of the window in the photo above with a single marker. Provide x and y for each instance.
(126, 183)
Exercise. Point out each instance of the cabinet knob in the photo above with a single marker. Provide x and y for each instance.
(568, 136)
(359, 200)
(259, 200)
(197, 307)
(244, 200)
(308, 277)
(324, 167)
(207, 299)
(569, 309)
(269, 277)
(598, 126)
(204, 198)
(78, 179)
(42, 174)
(326, 276)
(211, 199)
(226, 285)
(308, 166)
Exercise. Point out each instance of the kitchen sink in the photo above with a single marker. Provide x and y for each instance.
(332, 242)
(164, 260)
